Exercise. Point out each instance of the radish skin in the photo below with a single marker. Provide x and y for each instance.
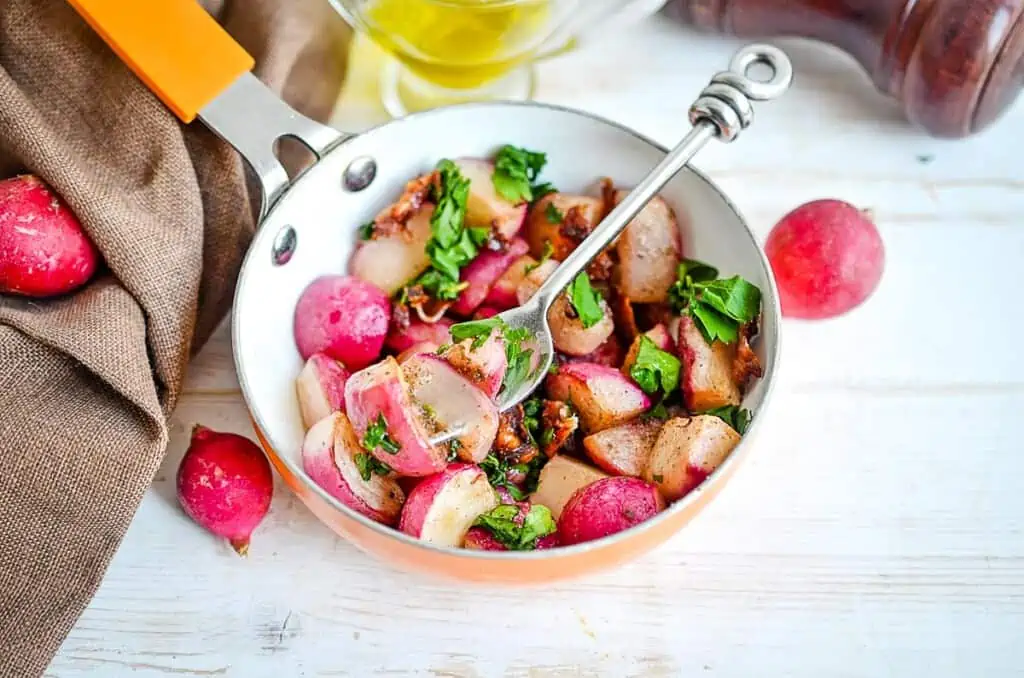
(343, 317)
(44, 251)
(321, 388)
(482, 273)
(607, 506)
(442, 507)
(224, 483)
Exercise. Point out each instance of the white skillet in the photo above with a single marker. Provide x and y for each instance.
(308, 223)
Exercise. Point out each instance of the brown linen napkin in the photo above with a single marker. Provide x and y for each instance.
(87, 382)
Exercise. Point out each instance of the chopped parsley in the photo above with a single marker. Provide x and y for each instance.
(515, 170)
(377, 436)
(503, 523)
(553, 214)
(732, 415)
(655, 370)
(497, 475)
(451, 245)
(518, 359)
(477, 330)
(717, 306)
(542, 189)
(454, 445)
(585, 300)
(366, 230)
(548, 250)
(368, 465)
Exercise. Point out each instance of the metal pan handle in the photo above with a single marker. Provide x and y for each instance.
(197, 70)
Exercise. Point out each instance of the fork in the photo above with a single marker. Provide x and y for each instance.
(722, 111)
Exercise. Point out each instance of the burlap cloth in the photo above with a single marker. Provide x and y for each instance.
(87, 382)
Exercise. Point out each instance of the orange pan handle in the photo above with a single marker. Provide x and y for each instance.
(198, 70)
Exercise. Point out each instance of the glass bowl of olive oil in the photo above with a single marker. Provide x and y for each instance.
(451, 51)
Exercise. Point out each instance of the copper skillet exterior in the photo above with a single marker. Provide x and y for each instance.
(526, 568)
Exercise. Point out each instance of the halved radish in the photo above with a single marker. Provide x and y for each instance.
(416, 349)
(395, 259)
(707, 380)
(442, 507)
(649, 252)
(417, 332)
(687, 451)
(482, 273)
(447, 400)
(328, 457)
(484, 206)
(503, 293)
(533, 280)
(547, 216)
(381, 391)
(559, 479)
(602, 395)
(609, 353)
(567, 330)
(320, 387)
(624, 450)
(484, 366)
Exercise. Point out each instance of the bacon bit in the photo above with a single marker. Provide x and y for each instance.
(575, 225)
(514, 444)
(558, 418)
(393, 218)
(416, 295)
(575, 228)
(431, 310)
(745, 365)
(400, 317)
(625, 320)
(607, 196)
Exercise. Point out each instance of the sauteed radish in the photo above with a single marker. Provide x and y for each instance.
(610, 438)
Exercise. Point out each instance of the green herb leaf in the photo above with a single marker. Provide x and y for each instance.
(585, 299)
(377, 436)
(514, 172)
(451, 245)
(366, 230)
(733, 297)
(713, 325)
(519, 359)
(553, 214)
(542, 189)
(655, 370)
(717, 306)
(503, 522)
(497, 475)
(477, 330)
(657, 412)
(454, 445)
(697, 271)
(732, 415)
(367, 465)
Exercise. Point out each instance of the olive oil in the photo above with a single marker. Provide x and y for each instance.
(459, 44)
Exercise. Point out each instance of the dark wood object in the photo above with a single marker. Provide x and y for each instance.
(954, 65)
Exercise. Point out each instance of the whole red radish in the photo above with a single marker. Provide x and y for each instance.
(343, 317)
(44, 251)
(225, 484)
(827, 257)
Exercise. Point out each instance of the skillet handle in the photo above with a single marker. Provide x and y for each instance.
(198, 70)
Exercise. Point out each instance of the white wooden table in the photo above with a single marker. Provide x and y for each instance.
(876, 530)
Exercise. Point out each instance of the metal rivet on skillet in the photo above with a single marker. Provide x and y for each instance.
(284, 245)
(360, 173)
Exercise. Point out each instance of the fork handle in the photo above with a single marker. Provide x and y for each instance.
(723, 110)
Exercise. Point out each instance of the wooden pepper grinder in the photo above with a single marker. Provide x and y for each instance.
(954, 65)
